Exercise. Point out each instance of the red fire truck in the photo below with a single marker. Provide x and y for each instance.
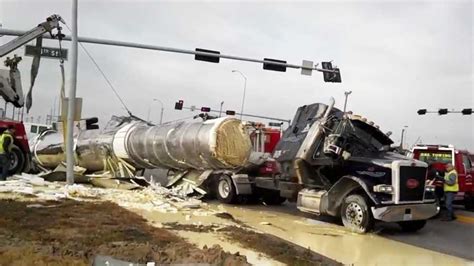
(437, 156)
(20, 156)
(11, 89)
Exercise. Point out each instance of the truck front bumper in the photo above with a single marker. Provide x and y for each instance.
(410, 212)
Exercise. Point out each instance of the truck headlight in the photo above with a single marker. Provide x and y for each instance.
(430, 188)
(383, 189)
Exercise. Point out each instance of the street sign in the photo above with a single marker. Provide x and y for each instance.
(48, 52)
(273, 124)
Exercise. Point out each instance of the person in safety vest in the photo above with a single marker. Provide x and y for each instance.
(6, 143)
(451, 188)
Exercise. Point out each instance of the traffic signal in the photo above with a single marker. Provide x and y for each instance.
(269, 66)
(91, 123)
(466, 111)
(331, 76)
(421, 111)
(229, 112)
(442, 111)
(207, 58)
(179, 105)
(205, 109)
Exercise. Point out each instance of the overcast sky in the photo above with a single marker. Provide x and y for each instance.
(396, 57)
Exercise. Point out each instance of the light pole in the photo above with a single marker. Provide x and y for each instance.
(220, 110)
(161, 113)
(245, 88)
(346, 93)
(403, 133)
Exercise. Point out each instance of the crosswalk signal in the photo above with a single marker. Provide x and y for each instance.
(179, 105)
(443, 111)
(466, 111)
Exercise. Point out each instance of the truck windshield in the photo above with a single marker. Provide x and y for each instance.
(368, 137)
(434, 156)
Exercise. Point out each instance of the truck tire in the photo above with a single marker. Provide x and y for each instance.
(412, 226)
(225, 189)
(17, 161)
(356, 214)
(272, 197)
(469, 202)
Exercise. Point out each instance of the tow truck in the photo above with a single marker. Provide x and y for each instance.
(338, 164)
(437, 156)
(11, 89)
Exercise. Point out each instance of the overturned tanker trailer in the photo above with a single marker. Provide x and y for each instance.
(330, 162)
(134, 144)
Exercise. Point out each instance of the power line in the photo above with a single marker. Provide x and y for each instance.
(103, 75)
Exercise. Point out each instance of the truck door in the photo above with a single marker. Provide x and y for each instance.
(467, 176)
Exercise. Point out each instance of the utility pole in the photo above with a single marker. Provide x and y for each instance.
(72, 100)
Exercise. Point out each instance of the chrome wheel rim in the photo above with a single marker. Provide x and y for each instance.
(224, 188)
(354, 214)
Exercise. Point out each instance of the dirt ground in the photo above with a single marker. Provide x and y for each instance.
(272, 246)
(73, 233)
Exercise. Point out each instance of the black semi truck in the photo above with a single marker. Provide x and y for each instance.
(339, 164)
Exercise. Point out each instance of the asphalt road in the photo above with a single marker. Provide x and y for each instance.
(454, 238)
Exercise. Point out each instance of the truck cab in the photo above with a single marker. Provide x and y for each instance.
(437, 156)
(342, 165)
(339, 164)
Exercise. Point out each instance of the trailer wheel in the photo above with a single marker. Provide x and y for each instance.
(17, 161)
(412, 226)
(226, 190)
(356, 215)
(272, 197)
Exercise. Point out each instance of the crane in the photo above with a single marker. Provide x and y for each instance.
(10, 79)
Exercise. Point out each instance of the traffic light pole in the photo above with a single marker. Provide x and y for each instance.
(247, 115)
(445, 111)
(306, 67)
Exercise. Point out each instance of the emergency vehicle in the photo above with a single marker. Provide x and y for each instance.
(437, 156)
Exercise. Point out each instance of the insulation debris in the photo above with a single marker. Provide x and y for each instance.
(154, 197)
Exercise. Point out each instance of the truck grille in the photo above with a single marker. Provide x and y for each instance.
(412, 183)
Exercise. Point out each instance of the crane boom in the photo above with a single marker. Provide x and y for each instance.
(51, 23)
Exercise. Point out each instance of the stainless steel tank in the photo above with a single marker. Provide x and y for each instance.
(213, 144)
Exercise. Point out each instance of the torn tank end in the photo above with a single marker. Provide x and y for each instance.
(233, 145)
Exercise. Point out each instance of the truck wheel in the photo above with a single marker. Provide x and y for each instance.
(272, 197)
(356, 215)
(17, 161)
(412, 226)
(469, 203)
(226, 190)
